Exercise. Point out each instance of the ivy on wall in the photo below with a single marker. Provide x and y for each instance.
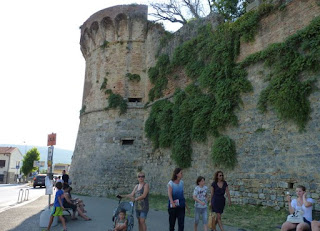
(114, 100)
(133, 77)
(293, 64)
(83, 110)
(105, 44)
(104, 84)
(206, 106)
(158, 76)
(224, 152)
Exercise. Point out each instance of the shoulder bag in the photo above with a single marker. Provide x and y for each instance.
(212, 221)
(296, 217)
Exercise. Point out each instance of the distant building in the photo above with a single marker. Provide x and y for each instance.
(10, 164)
(58, 168)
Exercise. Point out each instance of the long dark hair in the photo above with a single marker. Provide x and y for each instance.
(175, 172)
(216, 176)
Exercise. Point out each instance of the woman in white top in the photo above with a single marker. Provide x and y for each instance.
(301, 203)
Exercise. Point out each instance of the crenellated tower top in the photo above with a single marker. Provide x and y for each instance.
(114, 24)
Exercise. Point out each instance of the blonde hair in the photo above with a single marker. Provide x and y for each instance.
(140, 173)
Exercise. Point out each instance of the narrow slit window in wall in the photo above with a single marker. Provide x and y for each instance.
(127, 142)
(135, 100)
(290, 185)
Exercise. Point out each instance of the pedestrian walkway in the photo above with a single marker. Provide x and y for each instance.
(27, 217)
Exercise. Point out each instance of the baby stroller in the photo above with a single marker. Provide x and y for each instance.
(128, 207)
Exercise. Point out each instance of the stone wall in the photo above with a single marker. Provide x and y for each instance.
(273, 156)
(280, 25)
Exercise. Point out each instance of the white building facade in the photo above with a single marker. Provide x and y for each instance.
(10, 164)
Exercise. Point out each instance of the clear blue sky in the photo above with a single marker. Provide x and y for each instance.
(42, 68)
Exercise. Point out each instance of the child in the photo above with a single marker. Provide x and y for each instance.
(121, 222)
(57, 208)
(200, 197)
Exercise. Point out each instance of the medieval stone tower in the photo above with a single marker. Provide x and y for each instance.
(114, 43)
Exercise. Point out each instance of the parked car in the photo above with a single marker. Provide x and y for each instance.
(39, 180)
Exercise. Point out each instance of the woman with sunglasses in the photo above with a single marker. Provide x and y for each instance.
(218, 189)
(139, 195)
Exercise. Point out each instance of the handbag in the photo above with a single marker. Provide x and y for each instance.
(296, 217)
(212, 221)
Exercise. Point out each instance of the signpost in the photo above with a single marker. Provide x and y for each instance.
(51, 141)
(17, 167)
(45, 215)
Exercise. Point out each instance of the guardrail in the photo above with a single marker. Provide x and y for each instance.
(25, 193)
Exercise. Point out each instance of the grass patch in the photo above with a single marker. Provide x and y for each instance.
(242, 216)
(254, 217)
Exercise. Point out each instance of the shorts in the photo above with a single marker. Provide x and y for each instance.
(56, 211)
(306, 221)
(141, 214)
(198, 212)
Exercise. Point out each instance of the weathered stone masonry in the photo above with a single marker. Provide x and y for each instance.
(270, 162)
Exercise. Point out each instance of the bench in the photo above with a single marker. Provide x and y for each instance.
(67, 212)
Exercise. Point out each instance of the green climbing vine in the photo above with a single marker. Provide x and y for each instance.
(133, 77)
(224, 152)
(104, 84)
(294, 66)
(105, 44)
(114, 100)
(83, 109)
(158, 77)
(207, 106)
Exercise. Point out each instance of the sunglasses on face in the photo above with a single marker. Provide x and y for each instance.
(220, 175)
(141, 176)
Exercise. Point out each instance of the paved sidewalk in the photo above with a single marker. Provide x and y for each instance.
(26, 217)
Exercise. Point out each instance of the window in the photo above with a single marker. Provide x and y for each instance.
(290, 185)
(2, 163)
(127, 142)
(135, 100)
(1, 177)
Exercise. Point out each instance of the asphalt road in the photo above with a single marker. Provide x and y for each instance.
(9, 194)
(27, 217)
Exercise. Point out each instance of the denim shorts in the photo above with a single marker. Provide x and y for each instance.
(141, 214)
(198, 212)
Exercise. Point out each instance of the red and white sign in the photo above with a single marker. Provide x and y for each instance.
(52, 139)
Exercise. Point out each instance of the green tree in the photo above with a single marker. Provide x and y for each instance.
(32, 155)
(229, 9)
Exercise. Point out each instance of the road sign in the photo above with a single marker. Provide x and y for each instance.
(38, 163)
(50, 155)
(52, 139)
(17, 164)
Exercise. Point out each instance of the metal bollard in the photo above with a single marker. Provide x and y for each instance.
(26, 195)
(21, 192)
